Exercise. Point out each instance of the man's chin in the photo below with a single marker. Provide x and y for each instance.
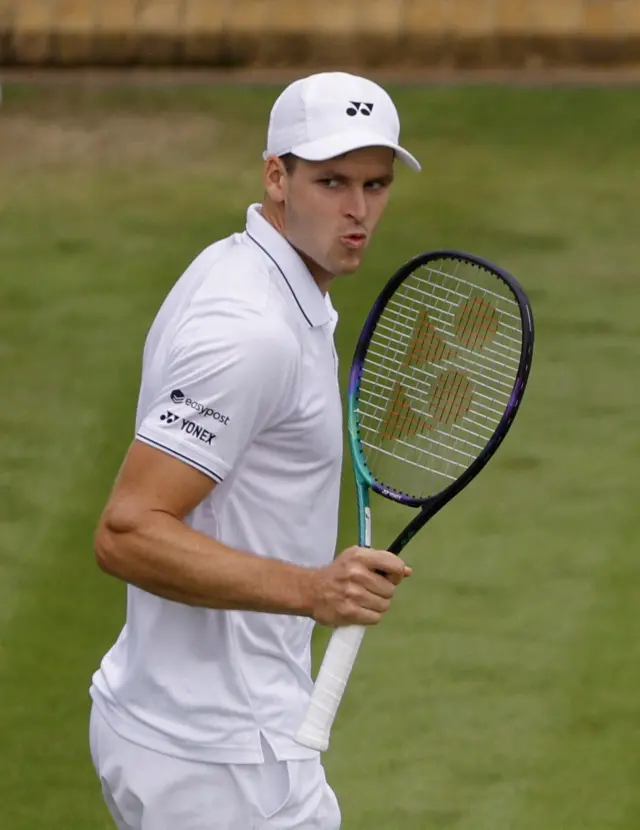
(348, 265)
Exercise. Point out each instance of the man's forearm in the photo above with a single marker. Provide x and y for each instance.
(165, 557)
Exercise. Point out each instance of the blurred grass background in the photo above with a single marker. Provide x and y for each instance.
(501, 692)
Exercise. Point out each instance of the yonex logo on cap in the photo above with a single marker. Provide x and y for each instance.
(359, 107)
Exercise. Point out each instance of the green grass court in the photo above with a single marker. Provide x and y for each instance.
(501, 693)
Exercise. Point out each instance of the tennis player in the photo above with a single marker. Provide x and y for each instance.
(223, 519)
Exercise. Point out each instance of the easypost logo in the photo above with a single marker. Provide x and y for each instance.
(178, 396)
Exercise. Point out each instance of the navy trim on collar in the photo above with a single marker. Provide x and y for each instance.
(310, 300)
(283, 275)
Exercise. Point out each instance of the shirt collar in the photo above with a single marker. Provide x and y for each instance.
(295, 273)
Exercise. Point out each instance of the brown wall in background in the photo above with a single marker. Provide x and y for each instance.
(284, 33)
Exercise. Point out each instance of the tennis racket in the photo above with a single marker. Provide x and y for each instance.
(437, 378)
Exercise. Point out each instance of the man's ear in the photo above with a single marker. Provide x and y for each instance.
(275, 177)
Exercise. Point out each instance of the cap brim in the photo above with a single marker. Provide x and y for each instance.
(338, 145)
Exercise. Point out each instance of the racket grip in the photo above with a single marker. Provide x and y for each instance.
(330, 686)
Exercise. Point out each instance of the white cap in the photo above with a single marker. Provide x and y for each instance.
(331, 113)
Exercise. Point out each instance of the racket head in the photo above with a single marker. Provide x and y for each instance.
(437, 377)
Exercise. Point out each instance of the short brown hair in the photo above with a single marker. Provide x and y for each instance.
(289, 161)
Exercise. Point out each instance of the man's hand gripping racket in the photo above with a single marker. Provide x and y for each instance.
(438, 375)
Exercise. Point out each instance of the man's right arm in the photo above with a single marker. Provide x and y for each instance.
(143, 540)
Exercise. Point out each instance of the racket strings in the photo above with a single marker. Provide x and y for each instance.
(438, 375)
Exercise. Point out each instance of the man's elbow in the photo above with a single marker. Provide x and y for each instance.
(110, 542)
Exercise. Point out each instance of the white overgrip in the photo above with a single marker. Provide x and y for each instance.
(335, 670)
(330, 686)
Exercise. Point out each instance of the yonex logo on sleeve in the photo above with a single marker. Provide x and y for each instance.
(197, 431)
(169, 417)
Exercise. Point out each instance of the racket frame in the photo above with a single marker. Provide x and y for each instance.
(345, 642)
(364, 479)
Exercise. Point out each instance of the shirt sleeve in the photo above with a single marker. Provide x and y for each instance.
(219, 389)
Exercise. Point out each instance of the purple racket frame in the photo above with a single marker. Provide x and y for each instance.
(365, 481)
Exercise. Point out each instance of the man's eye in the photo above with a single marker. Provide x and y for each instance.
(332, 183)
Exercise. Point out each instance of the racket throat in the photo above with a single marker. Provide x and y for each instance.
(367, 527)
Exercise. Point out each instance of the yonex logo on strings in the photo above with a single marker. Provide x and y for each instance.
(359, 107)
(452, 391)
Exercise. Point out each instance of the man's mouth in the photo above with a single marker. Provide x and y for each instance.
(354, 241)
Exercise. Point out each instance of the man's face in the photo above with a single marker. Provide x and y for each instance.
(332, 208)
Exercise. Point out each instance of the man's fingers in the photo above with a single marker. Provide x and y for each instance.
(378, 584)
(385, 563)
(364, 616)
(358, 587)
(375, 603)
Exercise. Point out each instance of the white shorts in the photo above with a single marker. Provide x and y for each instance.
(146, 790)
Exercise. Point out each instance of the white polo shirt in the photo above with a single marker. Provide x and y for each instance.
(240, 381)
